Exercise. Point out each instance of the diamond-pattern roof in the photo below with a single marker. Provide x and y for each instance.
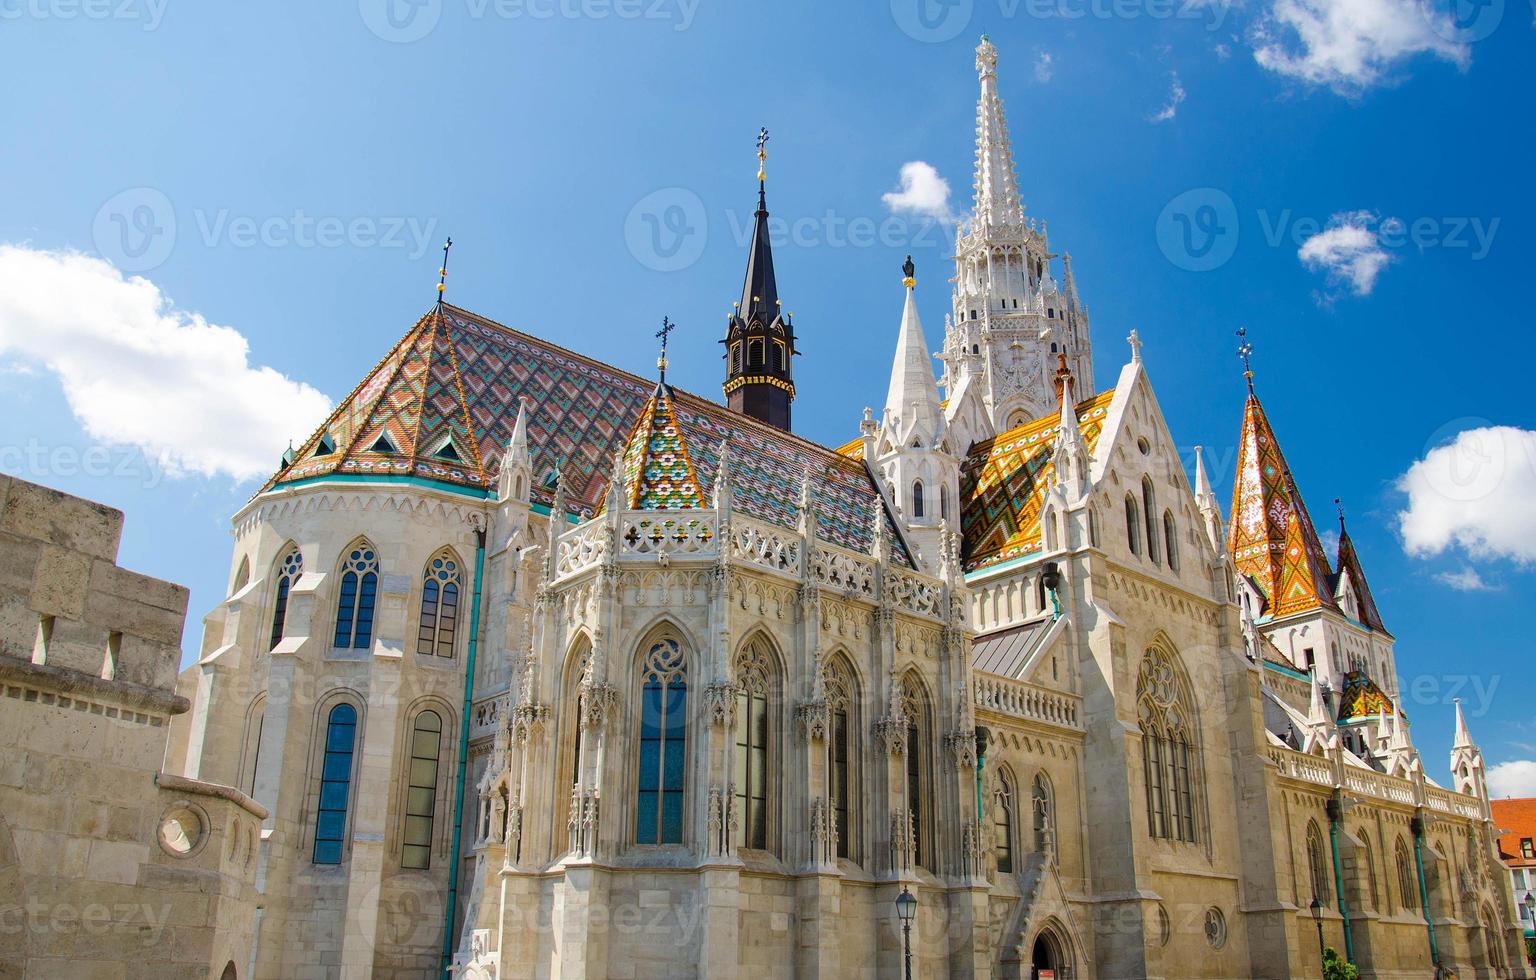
(1361, 698)
(1003, 483)
(456, 375)
(657, 472)
(1350, 562)
(1272, 538)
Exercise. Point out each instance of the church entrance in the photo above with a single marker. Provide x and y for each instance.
(1046, 960)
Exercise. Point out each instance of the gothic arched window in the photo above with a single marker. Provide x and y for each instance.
(917, 498)
(755, 353)
(288, 572)
(944, 501)
(1317, 865)
(354, 604)
(754, 731)
(1043, 810)
(1132, 525)
(1368, 867)
(736, 358)
(1171, 540)
(242, 576)
(335, 784)
(663, 741)
(1149, 509)
(421, 790)
(1170, 746)
(914, 707)
(441, 585)
(1002, 822)
(841, 697)
(1407, 880)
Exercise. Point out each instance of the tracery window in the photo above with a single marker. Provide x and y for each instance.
(288, 572)
(1043, 809)
(354, 604)
(441, 587)
(1002, 822)
(914, 707)
(663, 741)
(840, 755)
(1407, 880)
(1170, 746)
(1317, 865)
(754, 728)
(917, 498)
(1132, 525)
(1368, 867)
(335, 784)
(421, 790)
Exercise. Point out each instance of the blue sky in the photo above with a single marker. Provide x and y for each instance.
(1347, 178)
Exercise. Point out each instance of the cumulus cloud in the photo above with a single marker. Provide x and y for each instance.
(1476, 493)
(1045, 68)
(1171, 107)
(1348, 251)
(1350, 45)
(1515, 778)
(1466, 580)
(923, 192)
(138, 372)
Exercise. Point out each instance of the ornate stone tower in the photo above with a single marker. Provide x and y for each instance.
(760, 339)
(1010, 319)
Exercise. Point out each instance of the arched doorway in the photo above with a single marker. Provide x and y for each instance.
(1048, 959)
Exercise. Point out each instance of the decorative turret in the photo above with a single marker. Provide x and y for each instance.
(912, 451)
(760, 339)
(1467, 760)
(515, 480)
(1205, 499)
(1071, 453)
(1319, 721)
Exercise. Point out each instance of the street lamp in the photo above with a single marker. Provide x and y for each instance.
(906, 908)
(1317, 917)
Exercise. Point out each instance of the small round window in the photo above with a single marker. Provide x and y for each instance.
(182, 831)
(1144, 445)
(1215, 928)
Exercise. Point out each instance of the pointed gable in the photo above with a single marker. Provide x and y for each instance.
(1349, 567)
(1272, 539)
(1004, 480)
(657, 472)
(1361, 698)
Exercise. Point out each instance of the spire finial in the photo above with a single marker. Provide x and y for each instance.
(908, 273)
(667, 326)
(1339, 503)
(1245, 351)
(762, 158)
(442, 273)
(1135, 341)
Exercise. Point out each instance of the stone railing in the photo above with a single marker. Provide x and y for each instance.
(766, 546)
(846, 572)
(582, 547)
(913, 593)
(1300, 765)
(1022, 700)
(1378, 785)
(1447, 802)
(666, 534)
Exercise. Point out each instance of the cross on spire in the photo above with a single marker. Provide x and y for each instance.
(442, 281)
(667, 326)
(1135, 341)
(1245, 351)
(762, 154)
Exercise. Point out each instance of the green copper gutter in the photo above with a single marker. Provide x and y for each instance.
(1335, 812)
(458, 800)
(1417, 825)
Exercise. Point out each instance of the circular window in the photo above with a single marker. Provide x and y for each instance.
(183, 830)
(1144, 445)
(1215, 928)
(1164, 926)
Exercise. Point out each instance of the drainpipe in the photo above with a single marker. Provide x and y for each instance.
(458, 793)
(982, 737)
(1417, 826)
(1335, 813)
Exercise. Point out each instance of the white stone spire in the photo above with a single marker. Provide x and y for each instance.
(997, 183)
(1210, 509)
(1071, 453)
(516, 476)
(912, 400)
(1466, 760)
(1463, 737)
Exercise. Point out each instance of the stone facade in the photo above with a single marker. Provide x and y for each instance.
(109, 867)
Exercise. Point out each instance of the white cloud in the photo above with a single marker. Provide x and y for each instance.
(1348, 251)
(1044, 67)
(138, 372)
(1350, 45)
(1516, 778)
(1466, 580)
(1171, 107)
(923, 192)
(1223, 52)
(1476, 493)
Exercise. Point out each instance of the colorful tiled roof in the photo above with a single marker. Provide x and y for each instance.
(1361, 698)
(458, 374)
(1272, 539)
(657, 473)
(1350, 562)
(1518, 817)
(1004, 480)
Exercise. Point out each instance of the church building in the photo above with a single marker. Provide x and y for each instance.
(544, 669)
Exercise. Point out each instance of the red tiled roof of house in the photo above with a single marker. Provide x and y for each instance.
(1518, 818)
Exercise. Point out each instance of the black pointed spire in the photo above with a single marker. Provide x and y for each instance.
(760, 339)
